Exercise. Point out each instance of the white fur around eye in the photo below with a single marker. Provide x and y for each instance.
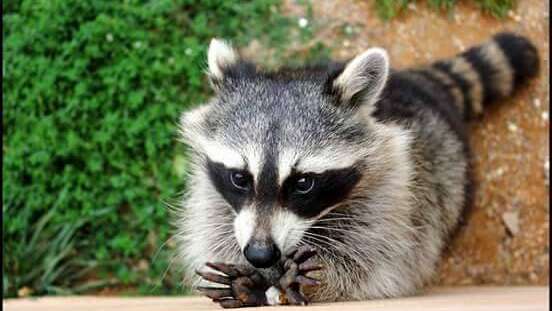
(326, 160)
(316, 162)
(220, 153)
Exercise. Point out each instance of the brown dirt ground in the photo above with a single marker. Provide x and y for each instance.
(510, 144)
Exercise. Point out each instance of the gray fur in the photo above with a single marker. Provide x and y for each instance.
(385, 238)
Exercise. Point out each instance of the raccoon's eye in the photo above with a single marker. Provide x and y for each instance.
(240, 180)
(304, 185)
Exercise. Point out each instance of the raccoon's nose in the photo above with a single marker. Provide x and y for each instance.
(262, 255)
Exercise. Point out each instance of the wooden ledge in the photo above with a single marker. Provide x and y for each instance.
(443, 299)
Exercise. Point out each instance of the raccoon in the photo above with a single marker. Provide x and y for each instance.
(351, 171)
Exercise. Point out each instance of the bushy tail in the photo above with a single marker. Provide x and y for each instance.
(488, 72)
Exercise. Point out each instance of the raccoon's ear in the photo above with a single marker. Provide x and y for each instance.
(220, 57)
(362, 79)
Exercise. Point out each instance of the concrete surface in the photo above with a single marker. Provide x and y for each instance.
(443, 299)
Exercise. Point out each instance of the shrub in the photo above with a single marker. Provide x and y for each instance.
(91, 96)
(390, 8)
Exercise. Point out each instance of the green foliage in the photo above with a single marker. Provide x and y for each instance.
(498, 8)
(388, 9)
(91, 97)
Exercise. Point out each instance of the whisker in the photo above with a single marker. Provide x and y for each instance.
(161, 247)
(326, 240)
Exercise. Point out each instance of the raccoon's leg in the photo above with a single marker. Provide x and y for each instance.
(296, 266)
(243, 286)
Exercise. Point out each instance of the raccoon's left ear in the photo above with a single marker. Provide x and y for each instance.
(220, 57)
(362, 79)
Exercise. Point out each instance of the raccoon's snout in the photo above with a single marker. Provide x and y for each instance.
(263, 254)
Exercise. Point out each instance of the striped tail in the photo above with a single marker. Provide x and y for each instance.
(488, 72)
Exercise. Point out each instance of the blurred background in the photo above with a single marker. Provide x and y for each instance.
(92, 92)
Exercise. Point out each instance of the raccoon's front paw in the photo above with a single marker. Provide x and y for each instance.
(296, 266)
(243, 286)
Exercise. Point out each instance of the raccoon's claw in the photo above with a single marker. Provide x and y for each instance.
(301, 254)
(215, 292)
(296, 266)
(294, 297)
(215, 278)
(230, 270)
(246, 287)
(310, 266)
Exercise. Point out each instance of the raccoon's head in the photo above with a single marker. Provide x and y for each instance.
(283, 148)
